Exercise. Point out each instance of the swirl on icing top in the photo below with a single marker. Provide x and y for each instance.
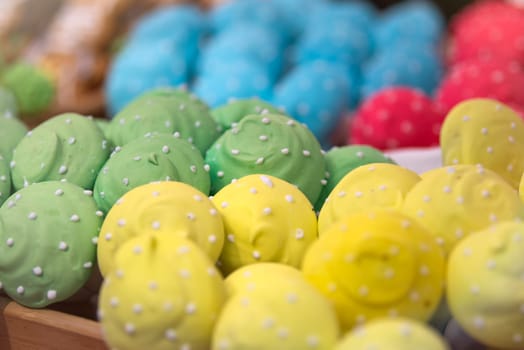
(379, 185)
(486, 132)
(67, 147)
(160, 157)
(231, 113)
(167, 111)
(58, 224)
(168, 207)
(163, 293)
(377, 263)
(489, 303)
(266, 219)
(268, 144)
(453, 201)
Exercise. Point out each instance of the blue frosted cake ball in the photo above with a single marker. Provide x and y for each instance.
(141, 67)
(240, 79)
(315, 94)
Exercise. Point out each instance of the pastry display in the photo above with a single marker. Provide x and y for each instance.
(266, 220)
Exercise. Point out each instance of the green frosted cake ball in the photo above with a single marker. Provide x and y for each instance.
(34, 91)
(156, 158)
(48, 237)
(8, 106)
(166, 111)
(68, 147)
(5, 180)
(13, 130)
(231, 113)
(342, 160)
(269, 144)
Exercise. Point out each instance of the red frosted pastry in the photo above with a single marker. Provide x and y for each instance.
(395, 118)
(494, 79)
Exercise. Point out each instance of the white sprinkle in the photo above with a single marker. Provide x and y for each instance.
(88, 265)
(224, 204)
(190, 308)
(207, 167)
(299, 233)
(155, 225)
(263, 138)
(170, 334)
(475, 289)
(137, 250)
(253, 190)
(259, 160)
(256, 254)
(37, 270)
(323, 182)
(282, 333)
(267, 211)
(165, 149)
(358, 194)
(478, 322)
(153, 285)
(266, 180)
(130, 328)
(10, 242)
(447, 189)
(114, 302)
(212, 239)
(220, 174)
(363, 290)
(424, 270)
(62, 170)
(312, 341)
(235, 152)
(74, 218)
(108, 236)
(71, 140)
(51, 294)
(231, 238)
(266, 120)
(193, 168)
(191, 216)
(284, 151)
(32, 216)
(213, 212)
(63, 245)
(306, 153)
(290, 122)
(289, 198)
(121, 222)
(137, 309)
(20, 290)
(486, 194)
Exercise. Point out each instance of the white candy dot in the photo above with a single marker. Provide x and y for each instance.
(10, 242)
(32, 216)
(74, 218)
(51, 294)
(256, 254)
(267, 211)
(62, 170)
(62, 246)
(284, 151)
(190, 308)
(20, 290)
(267, 181)
(130, 328)
(170, 334)
(37, 270)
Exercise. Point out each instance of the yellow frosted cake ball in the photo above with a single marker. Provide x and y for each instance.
(164, 293)
(379, 185)
(485, 285)
(266, 219)
(274, 310)
(393, 334)
(453, 201)
(253, 276)
(377, 263)
(167, 207)
(487, 132)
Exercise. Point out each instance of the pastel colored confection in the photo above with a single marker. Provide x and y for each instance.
(393, 334)
(488, 30)
(67, 147)
(409, 64)
(142, 66)
(369, 186)
(169, 207)
(481, 79)
(170, 111)
(358, 11)
(183, 22)
(8, 105)
(13, 130)
(316, 94)
(454, 201)
(231, 113)
(377, 263)
(163, 293)
(265, 219)
(49, 233)
(156, 158)
(5, 180)
(253, 276)
(33, 89)
(256, 44)
(342, 160)
(487, 132)
(397, 117)
(485, 284)
(276, 312)
(268, 144)
(413, 21)
(241, 78)
(344, 42)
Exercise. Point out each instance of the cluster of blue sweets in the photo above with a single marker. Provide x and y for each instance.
(316, 59)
